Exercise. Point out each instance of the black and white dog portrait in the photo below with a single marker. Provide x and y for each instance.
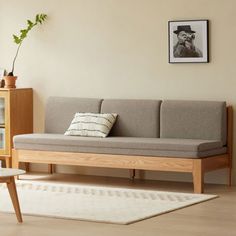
(188, 41)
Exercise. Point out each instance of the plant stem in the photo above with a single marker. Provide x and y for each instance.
(13, 64)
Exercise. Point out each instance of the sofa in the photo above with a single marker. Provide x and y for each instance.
(169, 135)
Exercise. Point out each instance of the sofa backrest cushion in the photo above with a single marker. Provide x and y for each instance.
(193, 119)
(136, 118)
(61, 110)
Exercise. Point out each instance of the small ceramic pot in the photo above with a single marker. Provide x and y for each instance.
(10, 81)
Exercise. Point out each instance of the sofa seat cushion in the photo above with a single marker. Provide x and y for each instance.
(189, 148)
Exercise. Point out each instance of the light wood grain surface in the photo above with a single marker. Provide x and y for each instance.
(18, 117)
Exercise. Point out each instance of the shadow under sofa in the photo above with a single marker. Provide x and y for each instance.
(169, 135)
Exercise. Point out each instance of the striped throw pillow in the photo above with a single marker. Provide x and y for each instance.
(91, 124)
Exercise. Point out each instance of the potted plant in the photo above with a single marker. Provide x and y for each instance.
(10, 79)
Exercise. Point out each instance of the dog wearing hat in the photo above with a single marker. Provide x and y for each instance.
(185, 46)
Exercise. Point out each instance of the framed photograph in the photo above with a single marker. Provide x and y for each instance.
(188, 41)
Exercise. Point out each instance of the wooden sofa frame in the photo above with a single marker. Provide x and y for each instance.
(198, 167)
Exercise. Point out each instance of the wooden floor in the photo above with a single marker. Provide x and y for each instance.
(215, 217)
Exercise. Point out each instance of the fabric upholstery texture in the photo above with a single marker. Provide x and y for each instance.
(91, 124)
(172, 128)
(191, 148)
(61, 110)
(193, 120)
(136, 118)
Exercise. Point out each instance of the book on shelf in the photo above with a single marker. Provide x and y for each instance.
(2, 112)
(2, 138)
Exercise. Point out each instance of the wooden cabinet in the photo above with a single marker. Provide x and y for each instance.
(16, 117)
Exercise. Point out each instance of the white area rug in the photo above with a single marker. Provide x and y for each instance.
(92, 203)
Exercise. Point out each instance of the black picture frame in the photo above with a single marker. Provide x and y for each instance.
(188, 41)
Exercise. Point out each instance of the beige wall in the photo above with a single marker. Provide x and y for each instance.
(118, 49)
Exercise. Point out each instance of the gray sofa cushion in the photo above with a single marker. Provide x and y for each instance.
(61, 110)
(193, 120)
(190, 148)
(136, 118)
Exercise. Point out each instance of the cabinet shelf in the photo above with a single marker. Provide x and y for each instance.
(16, 117)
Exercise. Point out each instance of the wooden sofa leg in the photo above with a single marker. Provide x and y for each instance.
(15, 162)
(198, 176)
(230, 177)
(50, 168)
(132, 173)
(27, 166)
(8, 162)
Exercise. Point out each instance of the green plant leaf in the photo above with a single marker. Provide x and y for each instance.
(16, 39)
(23, 34)
(30, 23)
(39, 18)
